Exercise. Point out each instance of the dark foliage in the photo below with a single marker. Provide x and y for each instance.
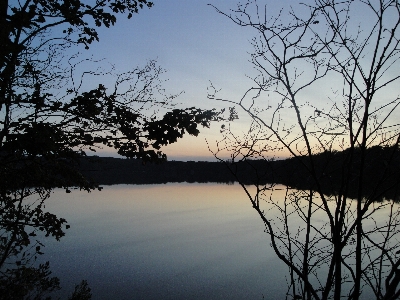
(81, 292)
(28, 283)
(48, 122)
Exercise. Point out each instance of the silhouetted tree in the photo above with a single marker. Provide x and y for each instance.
(328, 75)
(81, 292)
(49, 120)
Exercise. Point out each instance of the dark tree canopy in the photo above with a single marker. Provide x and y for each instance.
(48, 121)
(29, 76)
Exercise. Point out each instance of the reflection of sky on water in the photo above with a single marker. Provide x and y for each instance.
(175, 241)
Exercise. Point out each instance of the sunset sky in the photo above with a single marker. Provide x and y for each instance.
(197, 45)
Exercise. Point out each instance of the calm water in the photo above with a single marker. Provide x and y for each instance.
(174, 241)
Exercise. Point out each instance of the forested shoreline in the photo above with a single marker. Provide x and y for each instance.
(291, 172)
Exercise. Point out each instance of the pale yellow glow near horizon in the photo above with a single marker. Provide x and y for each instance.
(187, 147)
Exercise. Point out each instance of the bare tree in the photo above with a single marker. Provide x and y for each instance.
(325, 95)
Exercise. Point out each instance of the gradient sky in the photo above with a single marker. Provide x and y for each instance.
(196, 45)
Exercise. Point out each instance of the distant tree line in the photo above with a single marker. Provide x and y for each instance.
(291, 172)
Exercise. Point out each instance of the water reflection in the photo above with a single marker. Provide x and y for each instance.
(174, 241)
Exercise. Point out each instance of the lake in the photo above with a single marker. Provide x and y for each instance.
(172, 241)
(169, 241)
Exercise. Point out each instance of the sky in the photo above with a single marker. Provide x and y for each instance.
(197, 45)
